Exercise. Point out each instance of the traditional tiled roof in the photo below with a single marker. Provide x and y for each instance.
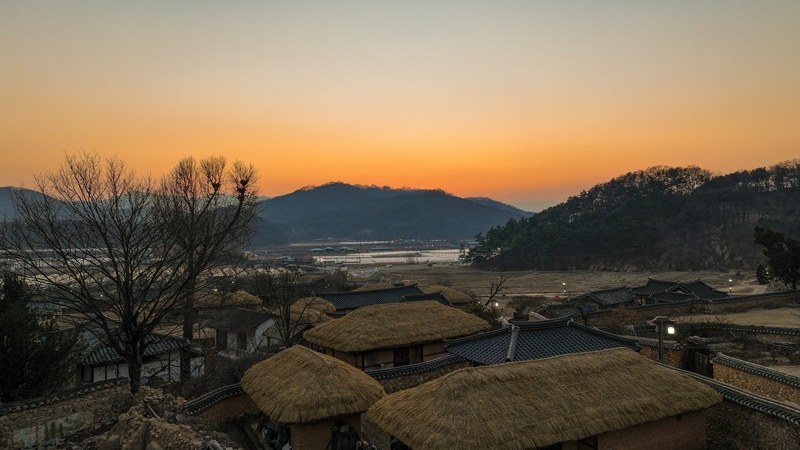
(237, 320)
(697, 288)
(159, 344)
(358, 299)
(435, 296)
(534, 340)
(412, 369)
(654, 286)
(610, 297)
(704, 291)
(672, 297)
(554, 310)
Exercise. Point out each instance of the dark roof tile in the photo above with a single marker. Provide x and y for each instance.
(357, 299)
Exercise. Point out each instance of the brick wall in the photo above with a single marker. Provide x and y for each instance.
(757, 384)
(734, 427)
(26, 424)
(400, 383)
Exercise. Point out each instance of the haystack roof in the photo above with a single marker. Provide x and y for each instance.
(454, 296)
(299, 385)
(538, 403)
(358, 299)
(433, 296)
(395, 325)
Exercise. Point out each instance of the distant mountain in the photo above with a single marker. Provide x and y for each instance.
(6, 206)
(345, 211)
(658, 218)
(486, 201)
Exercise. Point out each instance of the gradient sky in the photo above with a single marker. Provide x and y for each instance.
(518, 101)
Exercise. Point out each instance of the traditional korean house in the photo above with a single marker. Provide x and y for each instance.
(309, 400)
(345, 302)
(161, 361)
(397, 334)
(523, 341)
(608, 399)
(608, 298)
(456, 298)
(692, 289)
(240, 330)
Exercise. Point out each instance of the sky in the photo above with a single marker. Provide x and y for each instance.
(524, 102)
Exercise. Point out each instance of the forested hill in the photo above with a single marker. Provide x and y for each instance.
(659, 218)
(344, 211)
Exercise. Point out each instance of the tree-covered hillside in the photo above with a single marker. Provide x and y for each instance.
(659, 218)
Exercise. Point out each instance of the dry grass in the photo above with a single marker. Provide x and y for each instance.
(299, 385)
(538, 403)
(780, 317)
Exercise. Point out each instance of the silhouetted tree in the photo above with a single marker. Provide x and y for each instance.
(35, 358)
(208, 211)
(783, 254)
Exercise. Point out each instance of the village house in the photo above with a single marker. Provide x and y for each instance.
(240, 330)
(608, 298)
(344, 302)
(523, 341)
(658, 291)
(162, 361)
(608, 399)
(392, 335)
(309, 400)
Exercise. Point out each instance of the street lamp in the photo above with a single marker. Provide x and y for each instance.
(659, 322)
(565, 287)
(730, 285)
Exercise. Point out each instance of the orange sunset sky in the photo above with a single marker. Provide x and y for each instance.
(518, 101)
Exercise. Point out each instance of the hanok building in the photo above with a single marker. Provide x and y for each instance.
(392, 335)
(524, 341)
(608, 298)
(660, 291)
(352, 300)
(161, 360)
(240, 330)
(309, 400)
(609, 399)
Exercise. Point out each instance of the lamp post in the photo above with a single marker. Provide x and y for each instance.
(730, 285)
(659, 322)
(565, 288)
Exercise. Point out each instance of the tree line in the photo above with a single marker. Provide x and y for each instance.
(660, 218)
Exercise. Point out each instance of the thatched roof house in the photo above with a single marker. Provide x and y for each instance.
(592, 397)
(395, 325)
(455, 297)
(299, 385)
(393, 335)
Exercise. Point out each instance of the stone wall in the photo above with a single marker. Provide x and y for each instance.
(672, 357)
(733, 427)
(756, 383)
(229, 409)
(37, 421)
(402, 382)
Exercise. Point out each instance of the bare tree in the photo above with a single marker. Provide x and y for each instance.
(92, 238)
(286, 295)
(209, 211)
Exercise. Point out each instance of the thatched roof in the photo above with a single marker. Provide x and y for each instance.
(395, 325)
(299, 385)
(375, 286)
(452, 295)
(538, 403)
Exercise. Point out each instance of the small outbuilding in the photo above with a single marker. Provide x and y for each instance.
(608, 399)
(309, 400)
(392, 335)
